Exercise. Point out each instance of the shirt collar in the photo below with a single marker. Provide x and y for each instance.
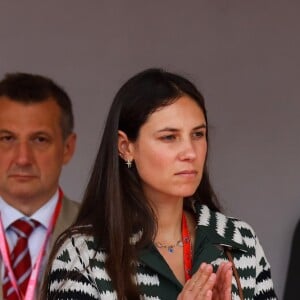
(219, 229)
(43, 215)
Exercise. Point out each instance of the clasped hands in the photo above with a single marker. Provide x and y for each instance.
(207, 285)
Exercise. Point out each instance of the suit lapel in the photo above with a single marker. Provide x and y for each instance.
(65, 219)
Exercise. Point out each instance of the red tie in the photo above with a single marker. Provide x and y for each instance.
(20, 259)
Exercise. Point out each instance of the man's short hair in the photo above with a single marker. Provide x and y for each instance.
(30, 88)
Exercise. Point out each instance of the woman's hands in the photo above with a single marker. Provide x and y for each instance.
(206, 285)
(222, 287)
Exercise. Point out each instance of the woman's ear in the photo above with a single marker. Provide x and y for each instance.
(124, 146)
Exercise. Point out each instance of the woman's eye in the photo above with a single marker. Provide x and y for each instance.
(169, 137)
(199, 134)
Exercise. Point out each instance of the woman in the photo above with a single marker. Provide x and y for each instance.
(150, 225)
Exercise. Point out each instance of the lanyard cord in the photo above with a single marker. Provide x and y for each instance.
(4, 251)
(187, 248)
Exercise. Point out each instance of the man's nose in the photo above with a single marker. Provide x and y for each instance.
(23, 153)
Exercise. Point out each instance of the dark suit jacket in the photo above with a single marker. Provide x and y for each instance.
(68, 213)
(293, 275)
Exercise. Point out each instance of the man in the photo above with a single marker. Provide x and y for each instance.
(292, 279)
(36, 140)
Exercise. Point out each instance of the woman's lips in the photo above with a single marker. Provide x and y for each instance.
(187, 173)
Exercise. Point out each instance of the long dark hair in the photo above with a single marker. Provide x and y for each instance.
(114, 202)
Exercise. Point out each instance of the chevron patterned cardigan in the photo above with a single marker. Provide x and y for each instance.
(78, 270)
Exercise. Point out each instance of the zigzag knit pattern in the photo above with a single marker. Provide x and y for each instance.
(78, 270)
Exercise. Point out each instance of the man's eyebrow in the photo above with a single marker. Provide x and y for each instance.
(5, 131)
(40, 132)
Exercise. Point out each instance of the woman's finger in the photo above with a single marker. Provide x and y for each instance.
(200, 286)
(222, 288)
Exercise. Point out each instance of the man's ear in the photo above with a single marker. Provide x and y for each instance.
(124, 146)
(69, 147)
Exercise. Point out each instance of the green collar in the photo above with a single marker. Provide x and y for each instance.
(211, 225)
(209, 243)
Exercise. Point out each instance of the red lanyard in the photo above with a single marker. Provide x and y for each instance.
(187, 248)
(4, 249)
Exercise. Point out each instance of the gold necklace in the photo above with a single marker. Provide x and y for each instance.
(169, 247)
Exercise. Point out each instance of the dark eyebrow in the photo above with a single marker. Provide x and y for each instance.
(40, 133)
(202, 126)
(5, 131)
(170, 129)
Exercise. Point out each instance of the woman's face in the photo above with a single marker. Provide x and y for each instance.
(170, 150)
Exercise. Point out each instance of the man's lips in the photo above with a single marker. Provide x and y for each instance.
(22, 176)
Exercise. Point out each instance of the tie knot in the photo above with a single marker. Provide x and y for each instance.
(24, 227)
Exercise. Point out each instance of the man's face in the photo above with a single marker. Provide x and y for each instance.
(32, 150)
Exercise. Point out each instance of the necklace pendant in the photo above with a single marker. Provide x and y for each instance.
(170, 249)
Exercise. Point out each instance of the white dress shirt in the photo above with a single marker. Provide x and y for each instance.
(37, 238)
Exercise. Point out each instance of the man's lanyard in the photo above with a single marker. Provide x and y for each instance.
(187, 248)
(4, 250)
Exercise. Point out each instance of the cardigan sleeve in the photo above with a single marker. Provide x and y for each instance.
(264, 289)
(69, 277)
